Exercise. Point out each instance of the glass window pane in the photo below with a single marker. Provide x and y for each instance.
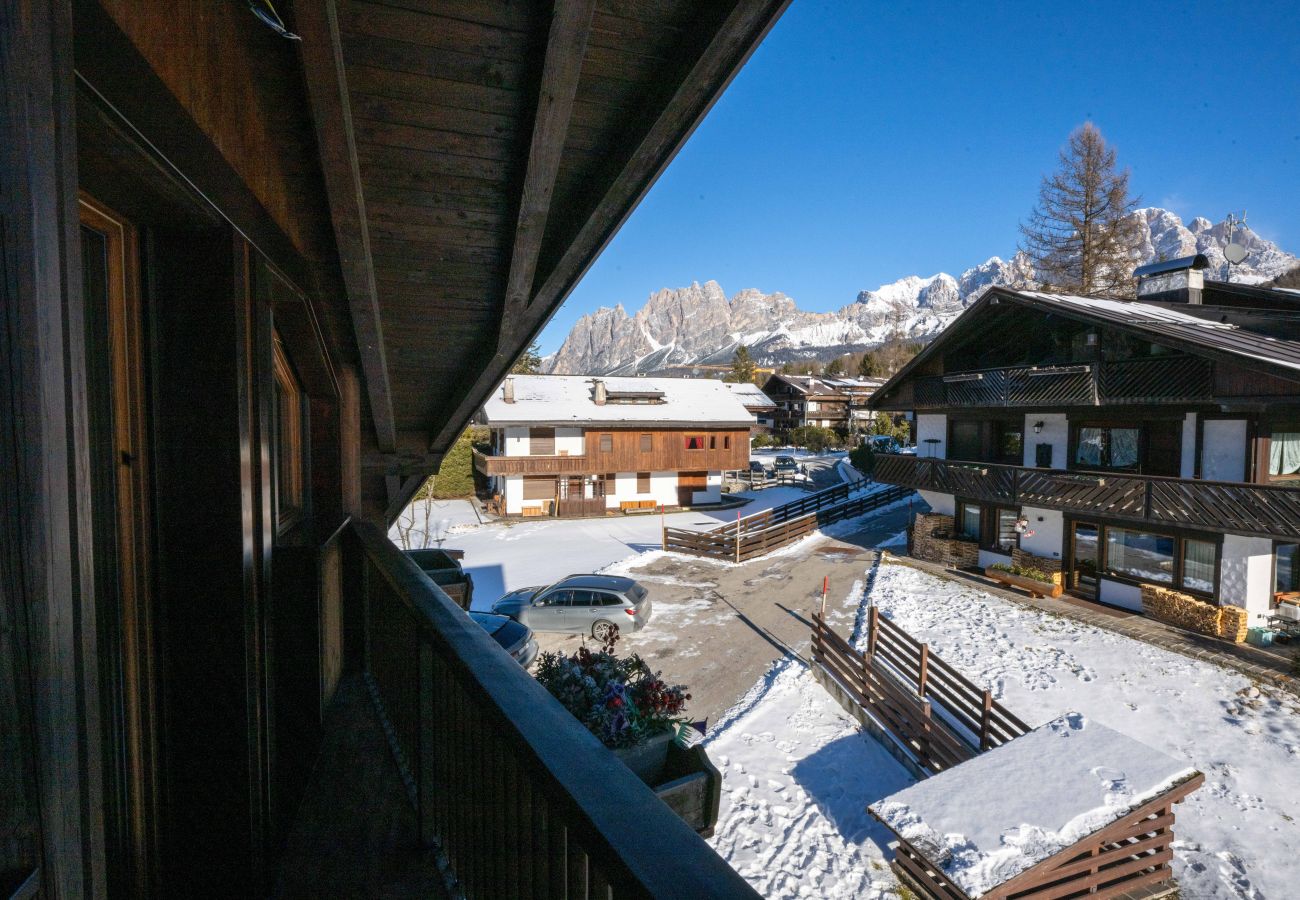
(1198, 565)
(1138, 554)
(1007, 519)
(1013, 443)
(969, 524)
(1123, 447)
(1287, 569)
(1089, 449)
(1284, 453)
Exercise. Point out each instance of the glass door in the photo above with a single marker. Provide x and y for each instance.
(1085, 548)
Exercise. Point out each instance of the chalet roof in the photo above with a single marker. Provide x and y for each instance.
(809, 384)
(750, 394)
(1203, 329)
(989, 819)
(569, 400)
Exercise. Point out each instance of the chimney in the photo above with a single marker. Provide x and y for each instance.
(598, 392)
(1172, 281)
(508, 390)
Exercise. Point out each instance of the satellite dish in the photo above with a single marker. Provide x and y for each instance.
(1234, 253)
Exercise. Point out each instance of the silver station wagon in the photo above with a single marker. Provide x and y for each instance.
(580, 604)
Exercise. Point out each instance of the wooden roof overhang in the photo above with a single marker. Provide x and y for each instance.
(1234, 347)
(477, 158)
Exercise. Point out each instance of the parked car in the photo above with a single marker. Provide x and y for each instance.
(759, 471)
(786, 465)
(580, 604)
(514, 637)
(884, 443)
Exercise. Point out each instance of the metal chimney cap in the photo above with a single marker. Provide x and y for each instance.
(1197, 261)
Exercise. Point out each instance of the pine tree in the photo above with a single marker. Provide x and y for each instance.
(834, 368)
(529, 362)
(869, 366)
(1080, 236)
(743, 368)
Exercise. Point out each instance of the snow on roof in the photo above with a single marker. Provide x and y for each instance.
(1003, 812)
(569, 399)
(749, 394)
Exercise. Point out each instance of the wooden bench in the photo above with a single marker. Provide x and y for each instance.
(636, 506)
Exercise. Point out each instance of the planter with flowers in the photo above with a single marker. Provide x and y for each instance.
(641, 718)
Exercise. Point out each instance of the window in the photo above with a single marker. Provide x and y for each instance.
(968, 521)
(1199, 558)
(1140, 555)
(1104, 447)
(726, 442)
(541, 442)
(287, 447)
(643, 482)
(647, 443)
(539, 487)
(1284, 454)
(713, 442)
(606, 443)
(1013, 443)
(694, 442)
(1286, 568)
(1007, 538)
(609, 599)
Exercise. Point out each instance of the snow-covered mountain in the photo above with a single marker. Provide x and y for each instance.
(700, 325)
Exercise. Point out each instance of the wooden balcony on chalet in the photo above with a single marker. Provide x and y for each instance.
(1271, 511)
(532, 465)
(1176, 378)
(443, 759)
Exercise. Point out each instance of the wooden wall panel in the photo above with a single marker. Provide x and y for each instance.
(241, 84)
(668, 451)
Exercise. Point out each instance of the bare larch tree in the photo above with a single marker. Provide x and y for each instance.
(1081, 236)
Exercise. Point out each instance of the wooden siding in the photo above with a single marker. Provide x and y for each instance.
(668, 453)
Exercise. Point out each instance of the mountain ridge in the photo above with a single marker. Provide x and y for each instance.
(699, 325)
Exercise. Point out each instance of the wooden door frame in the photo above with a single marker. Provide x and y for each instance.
(1068, 568)
(137, 730)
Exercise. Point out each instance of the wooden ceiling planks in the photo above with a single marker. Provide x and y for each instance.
(492, 173)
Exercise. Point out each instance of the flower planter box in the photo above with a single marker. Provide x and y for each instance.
(691, 786)
(647, 760)
(1035, 588)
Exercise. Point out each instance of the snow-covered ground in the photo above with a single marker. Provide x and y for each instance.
(798, 774)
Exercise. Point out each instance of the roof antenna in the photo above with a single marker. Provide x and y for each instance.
(1234, 253)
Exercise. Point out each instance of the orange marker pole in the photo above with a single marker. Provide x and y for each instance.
(826, 586)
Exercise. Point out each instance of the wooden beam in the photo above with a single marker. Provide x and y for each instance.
(566, 45)
(716, 65)
(323, 67)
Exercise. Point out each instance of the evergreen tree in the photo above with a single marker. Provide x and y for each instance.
(870, 366)
(529, 362)
(834, 368)
(1080, 235)
(743, 368)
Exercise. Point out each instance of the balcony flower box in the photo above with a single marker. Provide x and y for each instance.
(1035, 586)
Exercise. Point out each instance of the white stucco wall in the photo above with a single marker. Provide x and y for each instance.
(942, 504)
(988, 558)
(1125, 596)
(663, 489)
(516, 442)
(932, 425)
(1056, 431)
(1246, 574)
(712, 493)
(1223, 451)
(1048, 527)
(568, 442)
(514, 494)
(1187, 464)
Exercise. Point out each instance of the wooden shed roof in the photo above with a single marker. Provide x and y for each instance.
(478, 155)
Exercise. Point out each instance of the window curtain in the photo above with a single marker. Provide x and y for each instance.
(1123, 447)
(1198, 565)
(1089, 452)
(1284, 453)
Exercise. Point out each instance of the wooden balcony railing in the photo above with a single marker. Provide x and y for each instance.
(1160, 379)
(518, 795)
(531, 465)
(1249, 509)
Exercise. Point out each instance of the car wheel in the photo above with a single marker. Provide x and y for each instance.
(604, 631)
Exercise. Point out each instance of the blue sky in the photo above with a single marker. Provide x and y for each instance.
(866, 141)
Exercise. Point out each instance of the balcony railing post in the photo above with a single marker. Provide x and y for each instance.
(426, 769)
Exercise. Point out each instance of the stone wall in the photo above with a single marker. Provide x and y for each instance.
(931, 541)
(1042, 563)
(1186, 611)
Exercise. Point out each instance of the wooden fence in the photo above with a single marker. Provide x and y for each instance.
(771, 529)
(521, 798)
(941, 716)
